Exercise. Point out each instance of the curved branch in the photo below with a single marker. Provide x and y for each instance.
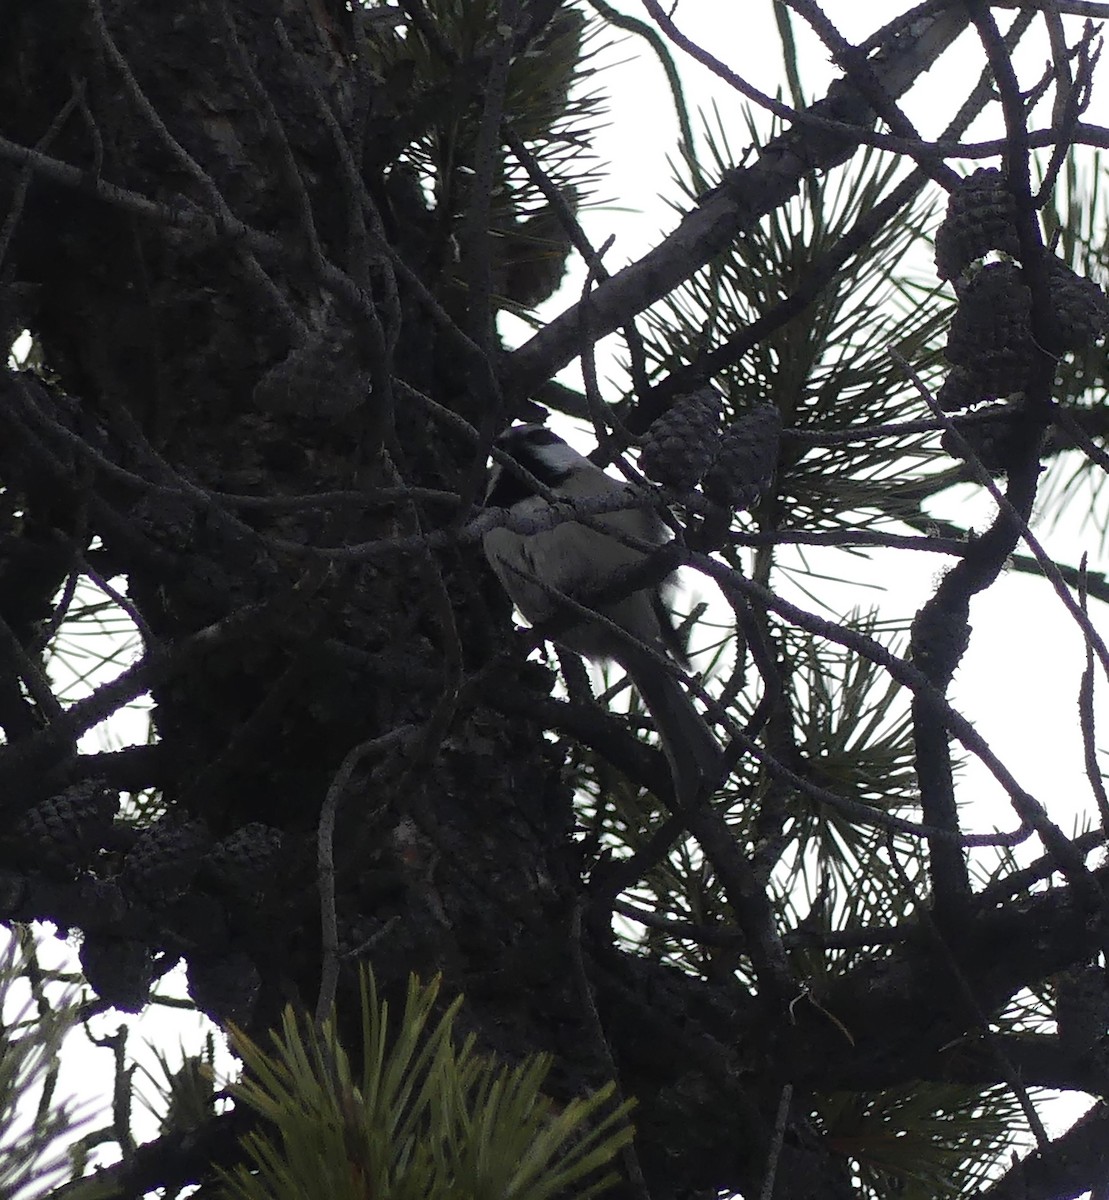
(1041, 1061)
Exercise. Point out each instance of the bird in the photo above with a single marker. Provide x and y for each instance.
(556, 574)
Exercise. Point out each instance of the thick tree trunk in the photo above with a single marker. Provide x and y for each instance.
(205, 365)
(215, 374)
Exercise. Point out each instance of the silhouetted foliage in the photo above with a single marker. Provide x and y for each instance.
(254, 260)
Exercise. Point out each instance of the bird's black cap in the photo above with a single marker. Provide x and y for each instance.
(526, 444)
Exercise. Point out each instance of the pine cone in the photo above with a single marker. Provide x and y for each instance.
(981, 216)
(748, 458)
(1080, 305)
(119, 972)
(105, 898)
(533, 254)
(245, 860)
(680, 445)
(226, 988)
(991, 333)
(163, 861)
(195, 919)
(64, 831)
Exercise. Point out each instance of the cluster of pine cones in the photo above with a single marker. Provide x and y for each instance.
(171, 889)
(686, 446)
(991, 345)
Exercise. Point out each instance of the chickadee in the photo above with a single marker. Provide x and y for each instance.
(576, 561)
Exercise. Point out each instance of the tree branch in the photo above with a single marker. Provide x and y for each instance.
(1072, 1164)
(747, 195)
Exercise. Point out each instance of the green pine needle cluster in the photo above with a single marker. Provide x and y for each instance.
(830, 367)
(921, 1143)
(549, 102)
(185, 1097)
(418, 1118)
(36, 1128)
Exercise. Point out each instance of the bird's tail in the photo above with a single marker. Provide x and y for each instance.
(694, 754)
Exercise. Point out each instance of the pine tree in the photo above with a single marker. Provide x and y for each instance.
(263, 256)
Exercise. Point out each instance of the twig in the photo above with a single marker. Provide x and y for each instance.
(325, 865)
(828, 266)
(775, 1151)
(1018, 181)
(857, 67)
(26, 173)
(276, 129)
(604, 1050)
(1086, 719)
(157, 664)
(61, 610)
(121, 601)
(1024, 879)
(204, 499)
(724, 213)
(1072, 96)
(381, 343)
(437, 724)
(1074, 8)
(588, 352)
(1063, 417)
(476, 238)
(33, 676)
(931, 41)
(673, 77)
(901, 670)
(729, 937)
(121, 1088)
